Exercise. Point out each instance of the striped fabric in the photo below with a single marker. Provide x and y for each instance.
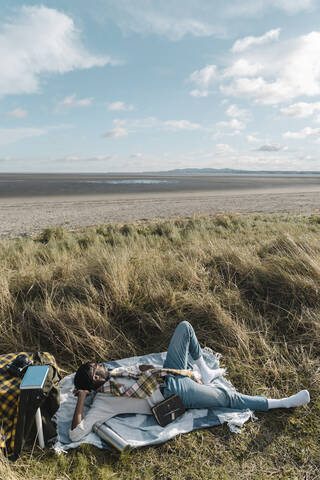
(146, 384)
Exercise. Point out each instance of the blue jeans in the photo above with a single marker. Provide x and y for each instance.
(193, 394)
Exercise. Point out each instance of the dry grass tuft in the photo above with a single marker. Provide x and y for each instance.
(249, 285)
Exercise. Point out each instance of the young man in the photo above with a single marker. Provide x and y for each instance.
(146, 385)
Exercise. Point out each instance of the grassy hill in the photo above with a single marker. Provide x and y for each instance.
(248, 284)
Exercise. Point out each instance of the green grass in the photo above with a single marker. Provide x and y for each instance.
(250, 286)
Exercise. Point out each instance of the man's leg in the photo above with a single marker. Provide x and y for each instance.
(195, 395)
(183, 342)
(260, 403)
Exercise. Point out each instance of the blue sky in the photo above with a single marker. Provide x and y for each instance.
(136, 85)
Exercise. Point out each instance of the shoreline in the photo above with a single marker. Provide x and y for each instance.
(72, 197)
(24, 216)
(90, 186)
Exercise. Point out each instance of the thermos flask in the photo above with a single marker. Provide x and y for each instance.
(110, 436)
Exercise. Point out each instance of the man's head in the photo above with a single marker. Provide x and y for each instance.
(90, 376)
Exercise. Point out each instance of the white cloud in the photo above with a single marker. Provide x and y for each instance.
(116, 132)
(72, 158)
(295, 6)
(176, 19)
(145, 123)
(224, 149)
(122, 127)
(301, 109)
(40, 40)
(156, 124)
(243, 68)
(72, 101)
(119, 122)
(199, 93)
(224, 133)
(81, 158)
(181, 125)
(235, 112)
(203, 79)
(248, 42)
(83, 102)
(302, 134)
(173, 20)
(289, 71)
(253, 139)
(234, 124)
(271, 147)
(17, 113)
(236, 8)
(119, 106)
(173, 28)
(259, 89)
(13, 135)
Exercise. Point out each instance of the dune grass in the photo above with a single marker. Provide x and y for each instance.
(250, 286)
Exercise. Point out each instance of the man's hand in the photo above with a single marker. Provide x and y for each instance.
(145, 367)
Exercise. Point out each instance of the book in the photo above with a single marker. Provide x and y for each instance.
(34, 377)
(168, 410)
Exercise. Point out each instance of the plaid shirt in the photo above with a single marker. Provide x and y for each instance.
(146, 384)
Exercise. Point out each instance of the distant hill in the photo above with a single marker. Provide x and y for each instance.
(184, 171)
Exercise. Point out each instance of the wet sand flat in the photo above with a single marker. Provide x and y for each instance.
(34, 185)
(26, 207)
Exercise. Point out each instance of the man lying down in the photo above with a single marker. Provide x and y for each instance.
(137, 389)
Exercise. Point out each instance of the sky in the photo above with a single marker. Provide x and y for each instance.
(147, 85)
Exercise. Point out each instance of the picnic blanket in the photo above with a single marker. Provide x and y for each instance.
(141, 430)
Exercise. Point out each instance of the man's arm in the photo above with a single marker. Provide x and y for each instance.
(105, 407)
(78, 413)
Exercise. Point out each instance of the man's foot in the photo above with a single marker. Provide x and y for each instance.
(211, 374)
(208, 374)
(299, 399)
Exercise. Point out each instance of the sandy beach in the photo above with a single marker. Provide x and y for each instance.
(24, 213)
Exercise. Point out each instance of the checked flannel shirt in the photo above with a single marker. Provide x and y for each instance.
(146, 384)
(9, 402)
